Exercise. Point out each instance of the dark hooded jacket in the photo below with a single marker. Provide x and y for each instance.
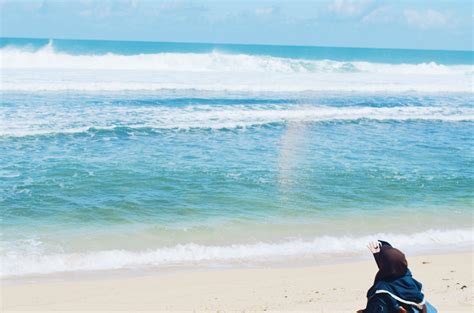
(394, 285)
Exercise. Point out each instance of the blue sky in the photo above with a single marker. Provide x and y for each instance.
(418, 24)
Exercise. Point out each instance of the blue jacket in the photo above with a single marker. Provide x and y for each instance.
(387, 296)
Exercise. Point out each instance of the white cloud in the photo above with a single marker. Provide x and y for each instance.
(134, 4)
(349, 8)
(264, 11)
(381, 15)
(107, 8)
(426, 19)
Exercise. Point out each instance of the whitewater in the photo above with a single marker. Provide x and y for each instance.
(192, 254)
(83, 119)
(43, 69)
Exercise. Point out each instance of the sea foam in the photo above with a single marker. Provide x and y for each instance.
(48, 58)
(47, 69)
(37, 120)
(32, 262)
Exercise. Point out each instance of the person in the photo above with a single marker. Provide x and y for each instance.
(394, 289)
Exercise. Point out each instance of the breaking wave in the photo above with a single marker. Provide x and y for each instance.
(37, 120)
(46, 69)
(15, 264)
(48, 58)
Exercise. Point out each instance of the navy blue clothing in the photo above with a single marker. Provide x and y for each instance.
(384, 293)
(382, 303)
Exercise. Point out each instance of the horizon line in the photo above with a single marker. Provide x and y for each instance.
(233, 43)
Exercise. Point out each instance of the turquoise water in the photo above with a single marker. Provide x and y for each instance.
(392, 56)
(134, 155)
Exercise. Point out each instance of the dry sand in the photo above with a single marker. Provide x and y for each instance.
(447, 280)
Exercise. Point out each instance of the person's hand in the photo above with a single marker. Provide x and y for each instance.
(374, 247)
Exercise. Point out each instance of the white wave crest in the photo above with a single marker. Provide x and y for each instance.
(47, 69)
(48, 58)
(15, 264)
(39, 120)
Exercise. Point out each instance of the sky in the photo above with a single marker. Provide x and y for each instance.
(415, 24)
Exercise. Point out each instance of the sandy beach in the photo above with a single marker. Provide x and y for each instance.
(447, 281)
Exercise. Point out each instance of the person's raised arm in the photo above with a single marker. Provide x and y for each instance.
(374, 247)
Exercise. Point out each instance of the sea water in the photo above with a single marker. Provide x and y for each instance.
(141, 155)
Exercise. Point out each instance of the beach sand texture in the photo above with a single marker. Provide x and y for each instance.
(447, 281)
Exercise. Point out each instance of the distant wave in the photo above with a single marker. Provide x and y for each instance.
(15, 264)
(37, 120)
(45, 69)
(47, 58)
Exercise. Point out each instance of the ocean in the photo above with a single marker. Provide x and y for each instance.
(120, 155)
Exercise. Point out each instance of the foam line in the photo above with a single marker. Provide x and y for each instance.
(48, 58)
(23, 263)
(47, 69)
(35, 120)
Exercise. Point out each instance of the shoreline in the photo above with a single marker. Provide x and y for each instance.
(291, 252)
(276, 262)
(447, 280)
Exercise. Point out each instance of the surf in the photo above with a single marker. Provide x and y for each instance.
(216, 117)
(18, 264)
(48, 58)
(45, 68)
